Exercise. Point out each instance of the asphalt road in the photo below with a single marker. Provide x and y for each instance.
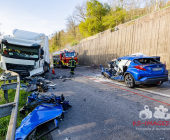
(103, 109)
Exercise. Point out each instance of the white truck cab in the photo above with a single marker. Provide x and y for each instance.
(26, 53)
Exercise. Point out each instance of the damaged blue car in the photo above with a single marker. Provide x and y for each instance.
(137, 70)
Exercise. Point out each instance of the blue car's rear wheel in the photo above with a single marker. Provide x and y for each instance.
(129, 81)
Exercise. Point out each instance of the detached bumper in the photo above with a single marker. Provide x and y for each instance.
(152, 80)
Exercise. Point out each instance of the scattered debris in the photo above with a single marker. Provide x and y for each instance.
(47, 108)
(38, 84)
(36, 98)
(41, 85)
(52, 86)
(47, 81)
(31, 87)
(23, 87)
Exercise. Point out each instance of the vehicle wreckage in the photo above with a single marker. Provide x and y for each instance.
(47, 108)
(136, 69)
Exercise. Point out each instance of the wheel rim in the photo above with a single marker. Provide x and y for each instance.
(128, 80)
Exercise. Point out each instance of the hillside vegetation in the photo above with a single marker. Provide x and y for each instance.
(91, 17)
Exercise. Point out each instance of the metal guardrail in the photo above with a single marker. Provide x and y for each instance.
(10, 108)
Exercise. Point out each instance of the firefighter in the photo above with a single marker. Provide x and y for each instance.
(72, 63)
(54, 62)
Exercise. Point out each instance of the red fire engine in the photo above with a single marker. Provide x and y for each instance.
(62, 58)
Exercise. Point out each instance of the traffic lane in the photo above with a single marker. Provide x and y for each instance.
(96, 73)
(102, 112)
(160, 98)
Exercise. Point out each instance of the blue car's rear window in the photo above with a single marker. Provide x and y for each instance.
(147, 61)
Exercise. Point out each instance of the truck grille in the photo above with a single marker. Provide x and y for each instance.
(10, 66)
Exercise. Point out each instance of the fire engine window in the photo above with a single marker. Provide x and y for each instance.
(70, 54)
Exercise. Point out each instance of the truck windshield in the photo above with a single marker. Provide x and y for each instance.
(70, 54)
(20, 52)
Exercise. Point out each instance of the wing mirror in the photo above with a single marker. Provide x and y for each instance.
(41, 52)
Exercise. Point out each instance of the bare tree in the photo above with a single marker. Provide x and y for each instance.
(71, 25)
(80, 12)
(121, 2)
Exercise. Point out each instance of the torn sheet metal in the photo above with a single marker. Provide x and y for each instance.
(37, 71)
(112, 73)
(41, 114)
(37, 84)
(36, 98)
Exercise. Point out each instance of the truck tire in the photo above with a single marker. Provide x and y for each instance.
(48, 68)
(129, 80)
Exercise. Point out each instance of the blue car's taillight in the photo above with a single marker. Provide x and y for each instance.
(140, 67)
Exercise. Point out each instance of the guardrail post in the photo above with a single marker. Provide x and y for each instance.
(6, 95)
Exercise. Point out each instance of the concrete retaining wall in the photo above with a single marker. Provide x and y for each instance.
(149, 35)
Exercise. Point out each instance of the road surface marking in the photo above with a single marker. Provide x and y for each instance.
(126, 89)
(150, 91)
(59, 132)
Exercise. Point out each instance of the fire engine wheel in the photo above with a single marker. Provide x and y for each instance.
(62, 66)
(129, 81)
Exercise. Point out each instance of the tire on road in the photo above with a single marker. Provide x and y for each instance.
(129, 80)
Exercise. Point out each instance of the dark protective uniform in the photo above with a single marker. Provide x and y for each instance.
(54, 63)
(72, 63)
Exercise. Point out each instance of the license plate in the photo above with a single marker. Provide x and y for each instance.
(157, 69)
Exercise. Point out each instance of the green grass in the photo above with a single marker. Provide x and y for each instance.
(4, 122)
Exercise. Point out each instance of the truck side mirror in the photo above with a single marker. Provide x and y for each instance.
(77, 53)
(42, 52)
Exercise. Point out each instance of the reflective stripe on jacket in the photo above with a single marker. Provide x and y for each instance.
(72, 63)
(54, 62)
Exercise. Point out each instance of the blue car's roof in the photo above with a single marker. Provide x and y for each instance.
(130, 57)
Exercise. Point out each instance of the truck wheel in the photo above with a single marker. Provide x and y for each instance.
(48, 68)
(129, 81)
